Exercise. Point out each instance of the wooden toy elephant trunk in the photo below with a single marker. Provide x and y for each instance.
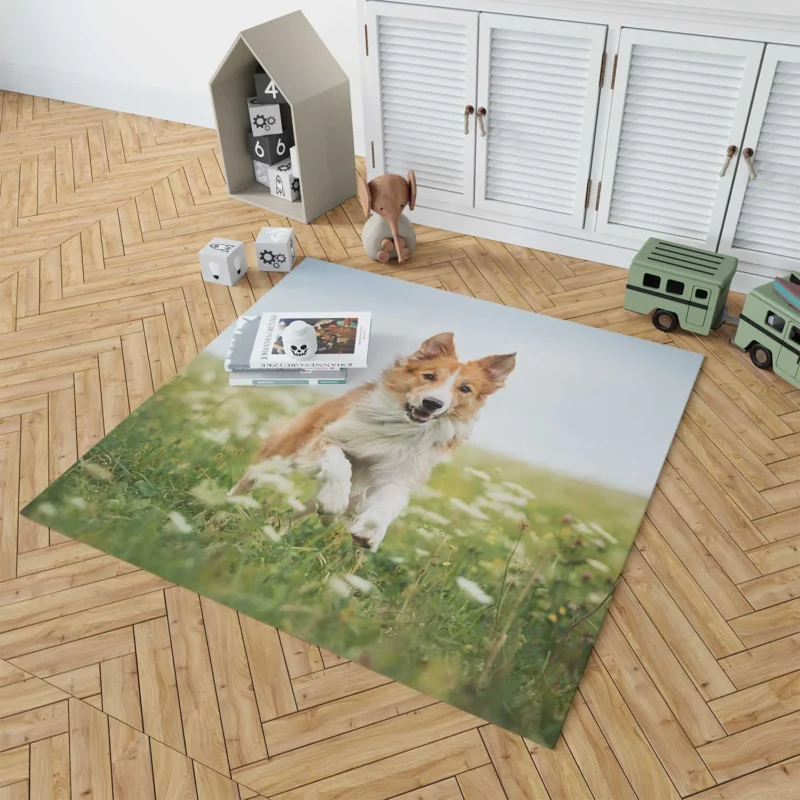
(388, 233)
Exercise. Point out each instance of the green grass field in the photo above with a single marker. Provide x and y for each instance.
(487, 593)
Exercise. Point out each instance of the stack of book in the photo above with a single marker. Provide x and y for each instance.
(256, 354)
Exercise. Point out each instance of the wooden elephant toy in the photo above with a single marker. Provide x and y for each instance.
(388, 233)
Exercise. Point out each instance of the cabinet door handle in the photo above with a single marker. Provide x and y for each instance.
(732, 151)
(480, 114)
(468, 110)
(747, 155)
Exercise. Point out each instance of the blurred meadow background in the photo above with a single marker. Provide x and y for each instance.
(488, 592)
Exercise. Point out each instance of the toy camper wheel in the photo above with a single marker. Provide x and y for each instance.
(761, 357)
(665, 320)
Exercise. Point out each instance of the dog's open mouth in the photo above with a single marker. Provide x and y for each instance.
(418, 415)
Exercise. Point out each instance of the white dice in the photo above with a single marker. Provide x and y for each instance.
(275, 249)
(268, 118)
(223, 261)
(282, 183)
(260, 171)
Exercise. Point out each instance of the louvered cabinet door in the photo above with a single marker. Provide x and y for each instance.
(422, 64)
(679, 102)
(762, 225)
(538, 84)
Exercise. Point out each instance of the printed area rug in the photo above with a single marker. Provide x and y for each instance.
(509, 490)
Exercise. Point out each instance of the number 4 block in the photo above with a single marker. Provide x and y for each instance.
(267, 90)
(270, 149)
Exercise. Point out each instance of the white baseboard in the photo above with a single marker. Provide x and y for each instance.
(132, 98)
(601, 252)
(192, 108)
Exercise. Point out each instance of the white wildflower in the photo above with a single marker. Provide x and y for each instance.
(477, 473)
(603, 532)
(397, 560)
(471, 511)
(270, 466)
(595, 598)
(283, 485)
(507, 497)
(431, 516)
(474, 591)
(514, 516)
(48, 509)
(179, 522)
(515, 487)
(598, 565)
(78, 502)
(217, 435)
(582, 527)
(271, 533)
(243, 501)
(296, 504)
(358, 583)
(424, 492)
(287, 399)
(339, 587)
(209, 494)
(96, 471)
(420, 552)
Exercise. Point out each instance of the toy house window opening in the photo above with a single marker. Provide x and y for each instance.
(701, 294)
(794, 335)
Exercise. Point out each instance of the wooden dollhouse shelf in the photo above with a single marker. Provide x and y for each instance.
(318, 92)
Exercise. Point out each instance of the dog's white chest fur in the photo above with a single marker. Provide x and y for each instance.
(378, 438)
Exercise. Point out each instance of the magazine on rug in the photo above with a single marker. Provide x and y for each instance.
(237, 363)
(341, 339)
(282, 377)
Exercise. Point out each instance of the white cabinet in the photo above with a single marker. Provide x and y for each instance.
(538, 89)
(762, 225)
(589, 133)
(422, 64)
(679, 103)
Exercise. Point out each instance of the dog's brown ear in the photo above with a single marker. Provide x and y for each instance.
(498, 368)
(439, 346)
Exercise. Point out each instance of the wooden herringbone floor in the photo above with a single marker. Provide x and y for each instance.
(115, 684)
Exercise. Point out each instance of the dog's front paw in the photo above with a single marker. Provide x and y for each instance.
(333, 499)
(368, 531)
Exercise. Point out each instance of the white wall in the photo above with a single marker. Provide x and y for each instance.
(151, 57)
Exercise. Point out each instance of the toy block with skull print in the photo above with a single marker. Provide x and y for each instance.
(275, 249)
(223, 261)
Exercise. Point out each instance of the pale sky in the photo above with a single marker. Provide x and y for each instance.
(583, 401)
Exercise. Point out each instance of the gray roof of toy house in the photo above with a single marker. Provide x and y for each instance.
(292, 54)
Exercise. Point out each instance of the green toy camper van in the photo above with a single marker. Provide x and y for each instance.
(769, 328)
(681, 286)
